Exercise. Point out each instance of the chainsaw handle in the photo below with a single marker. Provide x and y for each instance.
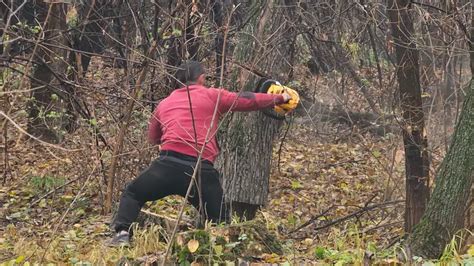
(262, 87)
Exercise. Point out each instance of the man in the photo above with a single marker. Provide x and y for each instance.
(176, 127)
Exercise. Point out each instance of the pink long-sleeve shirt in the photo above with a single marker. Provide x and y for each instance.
(171, 124)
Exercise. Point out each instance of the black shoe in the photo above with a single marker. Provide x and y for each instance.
(120, 239)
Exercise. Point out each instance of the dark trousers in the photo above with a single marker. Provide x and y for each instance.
(170, 174)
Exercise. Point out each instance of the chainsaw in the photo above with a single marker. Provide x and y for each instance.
(278, 112)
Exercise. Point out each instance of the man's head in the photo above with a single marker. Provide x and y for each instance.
(190, 72)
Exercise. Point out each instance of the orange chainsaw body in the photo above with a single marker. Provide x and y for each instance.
(285, 108)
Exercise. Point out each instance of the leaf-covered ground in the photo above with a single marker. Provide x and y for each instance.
(330, 202)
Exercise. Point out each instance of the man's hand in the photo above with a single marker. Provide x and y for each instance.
(286, 97)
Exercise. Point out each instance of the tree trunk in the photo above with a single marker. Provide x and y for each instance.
(89, 37)
(246, 154)
(184, 42)
(445, 212)
(444, 215)
(46, 110)
(414, 138)
(220, 9)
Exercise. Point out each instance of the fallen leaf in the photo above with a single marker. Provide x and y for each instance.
(471, 250)
(180, 240)
(218, 249)
(296, 185)
(193, 245)
(376, 154)
(20, 259)
(308, 241)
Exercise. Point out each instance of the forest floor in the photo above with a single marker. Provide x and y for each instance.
(330, 202)
(336, 197)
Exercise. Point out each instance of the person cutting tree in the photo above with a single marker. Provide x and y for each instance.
(176, 127)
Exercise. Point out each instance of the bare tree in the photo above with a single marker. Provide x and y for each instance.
(414, 136)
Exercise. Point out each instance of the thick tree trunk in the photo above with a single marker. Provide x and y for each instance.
(445, 213)
(184, 43)
(89, 37)
(245, 159)
(414, 139)
(220, 9)
(46, 108)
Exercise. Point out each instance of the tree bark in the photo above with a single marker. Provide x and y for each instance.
(444, 215)
(445, 212)
(414, 138)
(46, 110)
(245, 159)
(220, 9)
(89, 37)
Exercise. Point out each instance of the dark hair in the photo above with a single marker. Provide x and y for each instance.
(188, 72)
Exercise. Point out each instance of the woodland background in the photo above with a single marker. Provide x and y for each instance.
(342, 180)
